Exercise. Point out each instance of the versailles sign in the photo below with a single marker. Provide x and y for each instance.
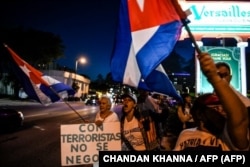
(218, 17)
(219, 20)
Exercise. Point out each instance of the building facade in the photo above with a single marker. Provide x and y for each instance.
(68, 78)
(63, 76)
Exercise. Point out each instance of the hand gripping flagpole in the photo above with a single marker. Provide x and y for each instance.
(185, 21)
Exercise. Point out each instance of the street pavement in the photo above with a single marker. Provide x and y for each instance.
(10, 102)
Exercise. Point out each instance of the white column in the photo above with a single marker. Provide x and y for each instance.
(197, 71)
(242, 46)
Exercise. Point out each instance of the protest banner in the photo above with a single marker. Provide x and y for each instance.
(81, 143)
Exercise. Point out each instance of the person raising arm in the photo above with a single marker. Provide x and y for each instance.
(236, 112)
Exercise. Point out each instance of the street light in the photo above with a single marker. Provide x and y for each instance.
(82, 60)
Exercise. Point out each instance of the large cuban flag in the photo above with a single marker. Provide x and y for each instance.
(147, 33)
(37, 86)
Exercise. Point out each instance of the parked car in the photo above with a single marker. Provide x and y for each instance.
(92, 101)
(10, 118)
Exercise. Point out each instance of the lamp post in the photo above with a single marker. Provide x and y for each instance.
(82, 60)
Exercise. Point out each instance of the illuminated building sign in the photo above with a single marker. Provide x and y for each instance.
(218, 17)
(229, 55)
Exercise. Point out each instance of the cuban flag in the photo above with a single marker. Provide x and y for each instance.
(147, 33)
(37, 86)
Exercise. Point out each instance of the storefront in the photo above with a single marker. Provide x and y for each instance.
(223, 30)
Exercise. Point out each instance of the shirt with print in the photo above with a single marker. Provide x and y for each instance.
(132, 133)
(194, 138)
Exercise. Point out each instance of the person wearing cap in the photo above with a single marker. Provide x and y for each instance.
(137, 130)
(221, 118)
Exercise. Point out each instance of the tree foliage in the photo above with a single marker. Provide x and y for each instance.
(38, 48)
(34, 46)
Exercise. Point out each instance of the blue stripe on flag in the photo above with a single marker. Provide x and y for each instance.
(122, 44)
(158, 47)
(148, 58)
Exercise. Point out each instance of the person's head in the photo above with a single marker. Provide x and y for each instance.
(186, 98)
(224, 71)
(208, 113)
(105, 104)
(143, 95)
(129, 102)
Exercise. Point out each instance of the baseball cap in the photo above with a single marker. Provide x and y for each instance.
(130, 95)
(204, 109)
(210, 99)
(205, 100)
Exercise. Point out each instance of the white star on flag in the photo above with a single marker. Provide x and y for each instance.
(25, 70)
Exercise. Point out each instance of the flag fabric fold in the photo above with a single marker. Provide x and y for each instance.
(37, 86)
(147, 33)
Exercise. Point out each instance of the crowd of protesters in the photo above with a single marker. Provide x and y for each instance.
(217, 121)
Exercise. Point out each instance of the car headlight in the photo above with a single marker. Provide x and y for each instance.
(21, 114)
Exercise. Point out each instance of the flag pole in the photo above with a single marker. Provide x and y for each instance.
(68, 105)
(185, 21)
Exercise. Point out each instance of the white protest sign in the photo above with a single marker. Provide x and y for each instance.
(81, 143)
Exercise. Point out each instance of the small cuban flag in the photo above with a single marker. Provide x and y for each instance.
(37, 86)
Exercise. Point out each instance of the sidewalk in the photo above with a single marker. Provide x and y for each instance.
(9, 102)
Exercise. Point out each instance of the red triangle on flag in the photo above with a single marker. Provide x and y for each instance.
(150, 13)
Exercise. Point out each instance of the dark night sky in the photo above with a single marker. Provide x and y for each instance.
(87, 27)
